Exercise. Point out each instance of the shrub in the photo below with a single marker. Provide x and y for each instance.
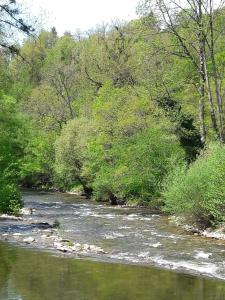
(199, 191)
(10, 198)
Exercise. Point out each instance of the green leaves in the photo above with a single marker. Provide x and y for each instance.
(200, 190)
(10, 153)
(132, 148)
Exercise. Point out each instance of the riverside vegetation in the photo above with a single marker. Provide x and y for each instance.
(127, 112)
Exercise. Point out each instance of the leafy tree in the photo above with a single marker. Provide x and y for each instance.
(70, 148)
(10, 153)
(191, 26)
(122, 148)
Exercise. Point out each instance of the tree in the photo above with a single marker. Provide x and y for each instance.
(109, 54)
(11, 124)
(11, 151)
(11, 20)
(191, 23)
(70, 149)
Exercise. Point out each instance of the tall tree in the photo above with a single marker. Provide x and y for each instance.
(191, 23)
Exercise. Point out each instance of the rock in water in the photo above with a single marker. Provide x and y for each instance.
(61, 247)
(42, 225)
(17, 234)
(26, 211)
(6, 217)
(29, 240)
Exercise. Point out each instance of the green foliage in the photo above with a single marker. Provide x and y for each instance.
(112, 113)
(10, 153)
(10, 197)
(138, 167)
(118, 158)
(128, 157)
(199, 190)
(36, 166)
(185, 129)
(70, 149)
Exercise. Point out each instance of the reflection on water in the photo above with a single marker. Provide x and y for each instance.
(29, 275)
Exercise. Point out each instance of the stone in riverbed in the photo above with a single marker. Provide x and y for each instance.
(62, 248)
(27, 211)
(97, 249)
(42, 225)
(45, 236)
(9, 217)
(86, 247)
(77, 247)
(93, 249)
(29, 240)
(60, 245)
(65, 241)
(17, 234)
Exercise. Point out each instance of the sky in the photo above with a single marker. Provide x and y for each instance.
(70, 15)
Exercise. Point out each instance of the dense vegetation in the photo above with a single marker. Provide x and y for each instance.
(10, 152)
(124, 113)
(199, 190)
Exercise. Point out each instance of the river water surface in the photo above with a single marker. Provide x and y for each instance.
(130, 236)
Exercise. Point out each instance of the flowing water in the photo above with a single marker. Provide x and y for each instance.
(130, 236)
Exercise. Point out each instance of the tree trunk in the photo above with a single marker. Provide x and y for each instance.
(210, 98)
(201, 73)
(201, 112)
(87, 190)
(219, 102)
(215, 77)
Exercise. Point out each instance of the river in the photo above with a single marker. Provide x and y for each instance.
(140, 247)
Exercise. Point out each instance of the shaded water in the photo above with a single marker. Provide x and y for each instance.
(129, 236)
(29, 275)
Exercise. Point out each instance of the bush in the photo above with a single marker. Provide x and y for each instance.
(10, 198)
(199, 191)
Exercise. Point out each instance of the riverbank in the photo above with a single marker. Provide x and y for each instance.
(217, 233)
